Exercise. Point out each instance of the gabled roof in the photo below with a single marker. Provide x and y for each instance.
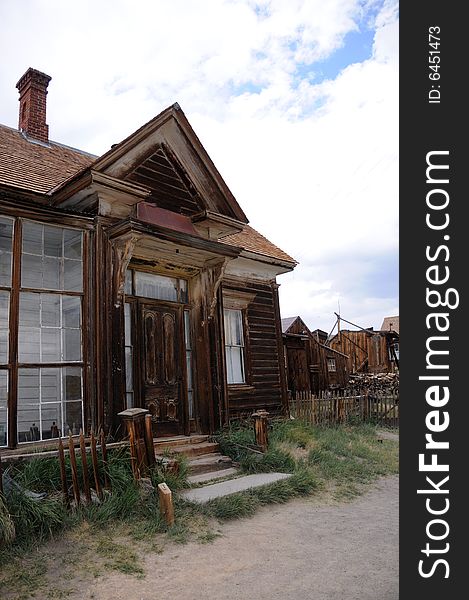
(288, 322)
(390, 324)
(37, 167)
(164, 156)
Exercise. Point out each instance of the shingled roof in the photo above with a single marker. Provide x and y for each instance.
(35, 166)
(253, 241)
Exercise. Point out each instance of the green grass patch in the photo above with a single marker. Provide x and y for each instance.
(345, 457)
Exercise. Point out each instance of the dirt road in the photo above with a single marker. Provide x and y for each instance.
(299, 551)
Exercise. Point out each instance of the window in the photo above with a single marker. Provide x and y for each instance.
(48, 301)
(234, 346)
(129, 355)
(158, 287)
(331, 365)
(6, 247)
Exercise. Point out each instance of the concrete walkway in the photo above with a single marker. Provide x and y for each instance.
(225, 488)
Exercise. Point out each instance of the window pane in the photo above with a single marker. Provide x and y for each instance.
(50, 313)
(6, 234)
(4, 331)
(128, 370)
(128, 282)
(28, 387)
(237, 324)
(51, 273)
(234, 364)
(50, 345)
(29, 345)
(71, 344)
(127, 324)
(28, 424)
(187, 331)
(51, 421)
(72, 417)
(73, 275)
(53, 237)
(3, 407)
(31, 271)
(50, 385)
(32, 238)
(158, 287)
(52, 257)
(71, 311)
(72, 244)
(5, 268)
(72, 383)
(183, 290)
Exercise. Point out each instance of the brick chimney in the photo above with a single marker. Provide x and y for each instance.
(33, 91)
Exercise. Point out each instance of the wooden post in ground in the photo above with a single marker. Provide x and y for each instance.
(63, 474)
(261, 429)
(166, 503)
(73, 465)
(84, 468)
(149, 441)
(134, 419)
(1, 477)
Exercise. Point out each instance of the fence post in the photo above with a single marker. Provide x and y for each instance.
(63, 474)
(84, 467)
(134, 419)
(261, 425)
(94, 461)
(73, 465)
(102, 439)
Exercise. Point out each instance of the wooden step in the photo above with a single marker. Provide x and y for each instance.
(192, 449)
(178, 440)
(209, 463)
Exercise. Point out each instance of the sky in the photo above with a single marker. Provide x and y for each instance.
(296, 101)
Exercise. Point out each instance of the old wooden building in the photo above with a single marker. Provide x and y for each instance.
(131, 279)
(310, 364)
(368, 351)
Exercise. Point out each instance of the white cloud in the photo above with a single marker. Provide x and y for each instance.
(314, 165)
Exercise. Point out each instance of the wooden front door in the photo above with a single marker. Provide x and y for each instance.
(163, 366)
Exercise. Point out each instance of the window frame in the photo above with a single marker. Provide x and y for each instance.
(241, 346)
(15, 289)
(331, 365)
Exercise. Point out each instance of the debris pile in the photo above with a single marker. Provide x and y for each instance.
(375, 382)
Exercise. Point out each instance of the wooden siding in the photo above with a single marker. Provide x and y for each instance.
(368, 351)
(263, 388)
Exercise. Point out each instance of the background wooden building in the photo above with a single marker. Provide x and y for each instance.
(310, 364)
(368, 351)
(129, 280)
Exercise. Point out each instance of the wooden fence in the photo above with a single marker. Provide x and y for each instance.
(334, 407)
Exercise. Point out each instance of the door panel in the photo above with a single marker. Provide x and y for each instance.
(163, 376)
